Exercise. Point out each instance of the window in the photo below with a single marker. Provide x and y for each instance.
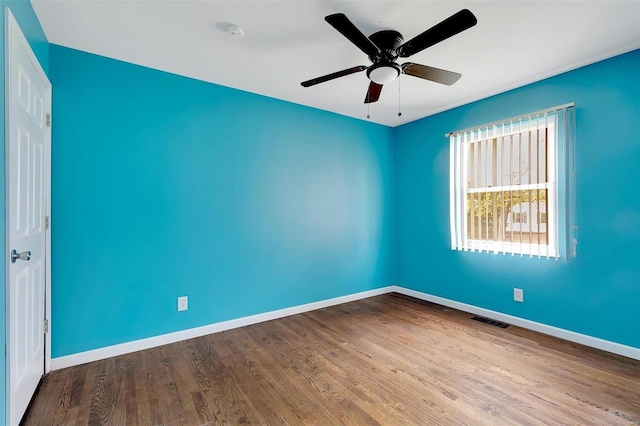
(513, 186)
(519, 217)
(542, 217)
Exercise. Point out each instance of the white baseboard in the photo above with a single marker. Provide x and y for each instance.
(583, 339)
(152, 342)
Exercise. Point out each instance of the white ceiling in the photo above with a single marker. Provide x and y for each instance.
(287, 42)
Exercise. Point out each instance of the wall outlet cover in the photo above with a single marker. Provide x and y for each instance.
(518, 295)
(183, 303)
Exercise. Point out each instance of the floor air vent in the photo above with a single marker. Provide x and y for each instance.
(491, 322)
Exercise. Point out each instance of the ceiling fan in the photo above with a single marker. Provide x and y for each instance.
(384, 48)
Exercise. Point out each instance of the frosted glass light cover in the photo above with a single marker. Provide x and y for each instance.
(383, 75)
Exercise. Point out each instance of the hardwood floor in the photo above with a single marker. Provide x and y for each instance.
(389, 360)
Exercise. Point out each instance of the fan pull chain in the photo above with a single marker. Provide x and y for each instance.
(399, 113)
(368, 107)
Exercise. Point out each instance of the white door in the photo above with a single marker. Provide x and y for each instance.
(28, 100)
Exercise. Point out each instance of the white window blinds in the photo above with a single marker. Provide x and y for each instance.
(513, 185)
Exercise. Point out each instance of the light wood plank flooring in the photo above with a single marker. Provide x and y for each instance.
(389, 360)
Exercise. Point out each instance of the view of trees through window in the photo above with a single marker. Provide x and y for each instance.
(507, 185)
(488, 216)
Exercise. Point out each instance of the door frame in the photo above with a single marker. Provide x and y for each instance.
(13, 33)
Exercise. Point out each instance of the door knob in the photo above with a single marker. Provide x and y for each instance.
(25, 255)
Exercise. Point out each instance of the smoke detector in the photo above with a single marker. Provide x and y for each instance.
(235, 32)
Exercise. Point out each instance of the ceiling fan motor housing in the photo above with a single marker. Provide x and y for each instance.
(384, 69)
(388, 42)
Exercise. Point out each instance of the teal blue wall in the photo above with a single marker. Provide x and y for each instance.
(598, 293)
(165, 186)
(28, 22)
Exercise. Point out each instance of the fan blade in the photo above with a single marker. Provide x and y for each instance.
(449, 27)
(340, 22)
(431, 73)
(331, 76)
(373, 94)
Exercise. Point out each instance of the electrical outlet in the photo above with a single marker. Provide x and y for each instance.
(183, 303)
(518, 295)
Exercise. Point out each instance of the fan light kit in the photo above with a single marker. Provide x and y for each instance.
(383, 73)
(384, 47)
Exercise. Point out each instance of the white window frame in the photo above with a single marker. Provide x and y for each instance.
(460, 142)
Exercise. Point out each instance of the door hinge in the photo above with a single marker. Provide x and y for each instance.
(46, 326)
(46, 222)
(48, 119)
